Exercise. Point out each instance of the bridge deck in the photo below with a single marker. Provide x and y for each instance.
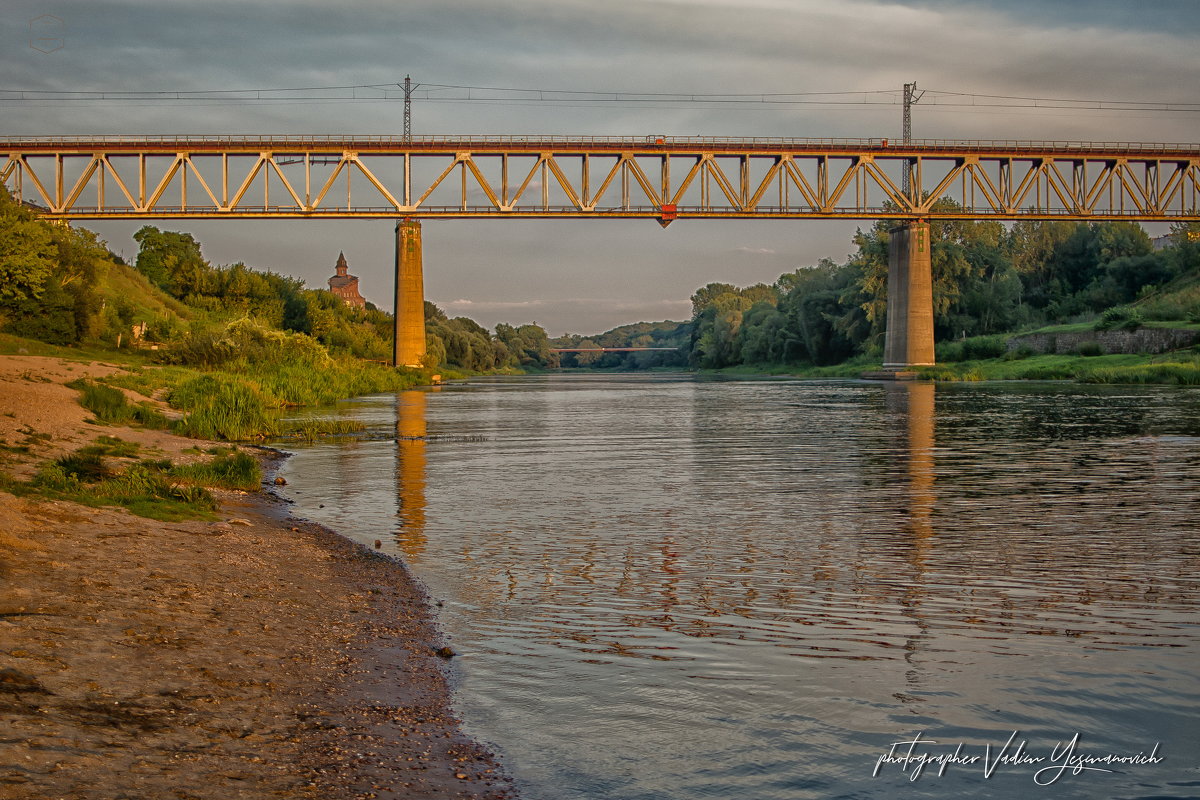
(662, 178)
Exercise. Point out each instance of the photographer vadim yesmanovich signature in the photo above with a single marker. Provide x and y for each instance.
(915, 758)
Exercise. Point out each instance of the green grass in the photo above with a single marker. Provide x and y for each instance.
(84, 477)
(110, 404)
(1083, 327)
(222, 407)
(1180, 374)
(1134, 368)
(95, 476)
(243, 401)
(234, 470)
(11, 345)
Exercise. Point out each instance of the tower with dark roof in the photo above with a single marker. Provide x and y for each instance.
(345, 285)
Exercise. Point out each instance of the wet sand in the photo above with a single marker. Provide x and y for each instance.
(256, 657)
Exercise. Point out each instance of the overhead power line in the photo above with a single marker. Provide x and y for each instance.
(497, 95)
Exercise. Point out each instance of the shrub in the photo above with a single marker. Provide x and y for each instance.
(222, 407)
(235, 470)
(247, 342)
(979, 347)
(949, 352)
(109, 404)
(1090, 349)
(1120, 317)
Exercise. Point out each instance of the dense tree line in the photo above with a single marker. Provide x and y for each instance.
(464, 343)
(987, 279)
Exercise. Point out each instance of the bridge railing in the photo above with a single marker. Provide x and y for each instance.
(673, 142)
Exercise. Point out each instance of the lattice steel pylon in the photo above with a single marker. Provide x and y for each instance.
(408, 88)
(910, 97)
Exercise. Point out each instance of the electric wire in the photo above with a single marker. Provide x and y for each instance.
(462, 94)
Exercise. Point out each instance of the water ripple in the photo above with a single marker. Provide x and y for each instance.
(670, 588)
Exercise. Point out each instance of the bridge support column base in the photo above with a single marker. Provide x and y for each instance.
(909, 338)
(409, 349)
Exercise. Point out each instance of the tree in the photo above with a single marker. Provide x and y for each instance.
(164, 254)
(587, 359)
(529, 344)
(706, 295)
(26, 253)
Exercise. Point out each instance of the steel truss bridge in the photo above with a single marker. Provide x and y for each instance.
(661, 178)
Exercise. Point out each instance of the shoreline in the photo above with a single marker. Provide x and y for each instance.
(261, 656)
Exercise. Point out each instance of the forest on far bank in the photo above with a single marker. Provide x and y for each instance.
(63, 286)
(989, 279)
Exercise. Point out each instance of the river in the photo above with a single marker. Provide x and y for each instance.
(676, 588)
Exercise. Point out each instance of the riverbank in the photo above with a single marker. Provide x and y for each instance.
(257, 656)
(1176, 367)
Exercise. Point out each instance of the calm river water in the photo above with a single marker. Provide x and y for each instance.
(674, 588)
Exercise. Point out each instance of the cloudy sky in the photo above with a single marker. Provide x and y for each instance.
(588, 275)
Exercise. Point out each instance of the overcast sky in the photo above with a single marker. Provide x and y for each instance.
(586, 276)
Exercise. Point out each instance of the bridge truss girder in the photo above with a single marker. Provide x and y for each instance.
(661, 179)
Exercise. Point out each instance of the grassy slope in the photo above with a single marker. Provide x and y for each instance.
(125, 284)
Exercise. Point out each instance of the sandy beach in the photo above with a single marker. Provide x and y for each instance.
(254, 657)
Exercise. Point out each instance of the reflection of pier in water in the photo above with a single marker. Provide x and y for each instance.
(916, 404)
(410, 473)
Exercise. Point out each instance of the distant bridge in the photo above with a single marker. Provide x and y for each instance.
(661, 178)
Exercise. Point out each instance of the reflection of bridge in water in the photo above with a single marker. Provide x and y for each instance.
(659, 178)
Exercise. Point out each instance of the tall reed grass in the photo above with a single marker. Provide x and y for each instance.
(1167, 373)
(222, 407)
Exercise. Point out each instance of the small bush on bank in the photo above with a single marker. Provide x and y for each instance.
(222, 407)
(110, 404)
(1129, 319)
(949, 352)
(973, 349)
(1090, 349)
(235, 470)
(980, 347)
(248, 342)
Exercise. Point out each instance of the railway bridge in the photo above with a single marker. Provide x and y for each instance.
(652, 177)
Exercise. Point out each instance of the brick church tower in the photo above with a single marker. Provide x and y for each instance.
(344, 285)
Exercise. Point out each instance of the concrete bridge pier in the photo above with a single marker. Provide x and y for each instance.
(909, 338)
(409, 349)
